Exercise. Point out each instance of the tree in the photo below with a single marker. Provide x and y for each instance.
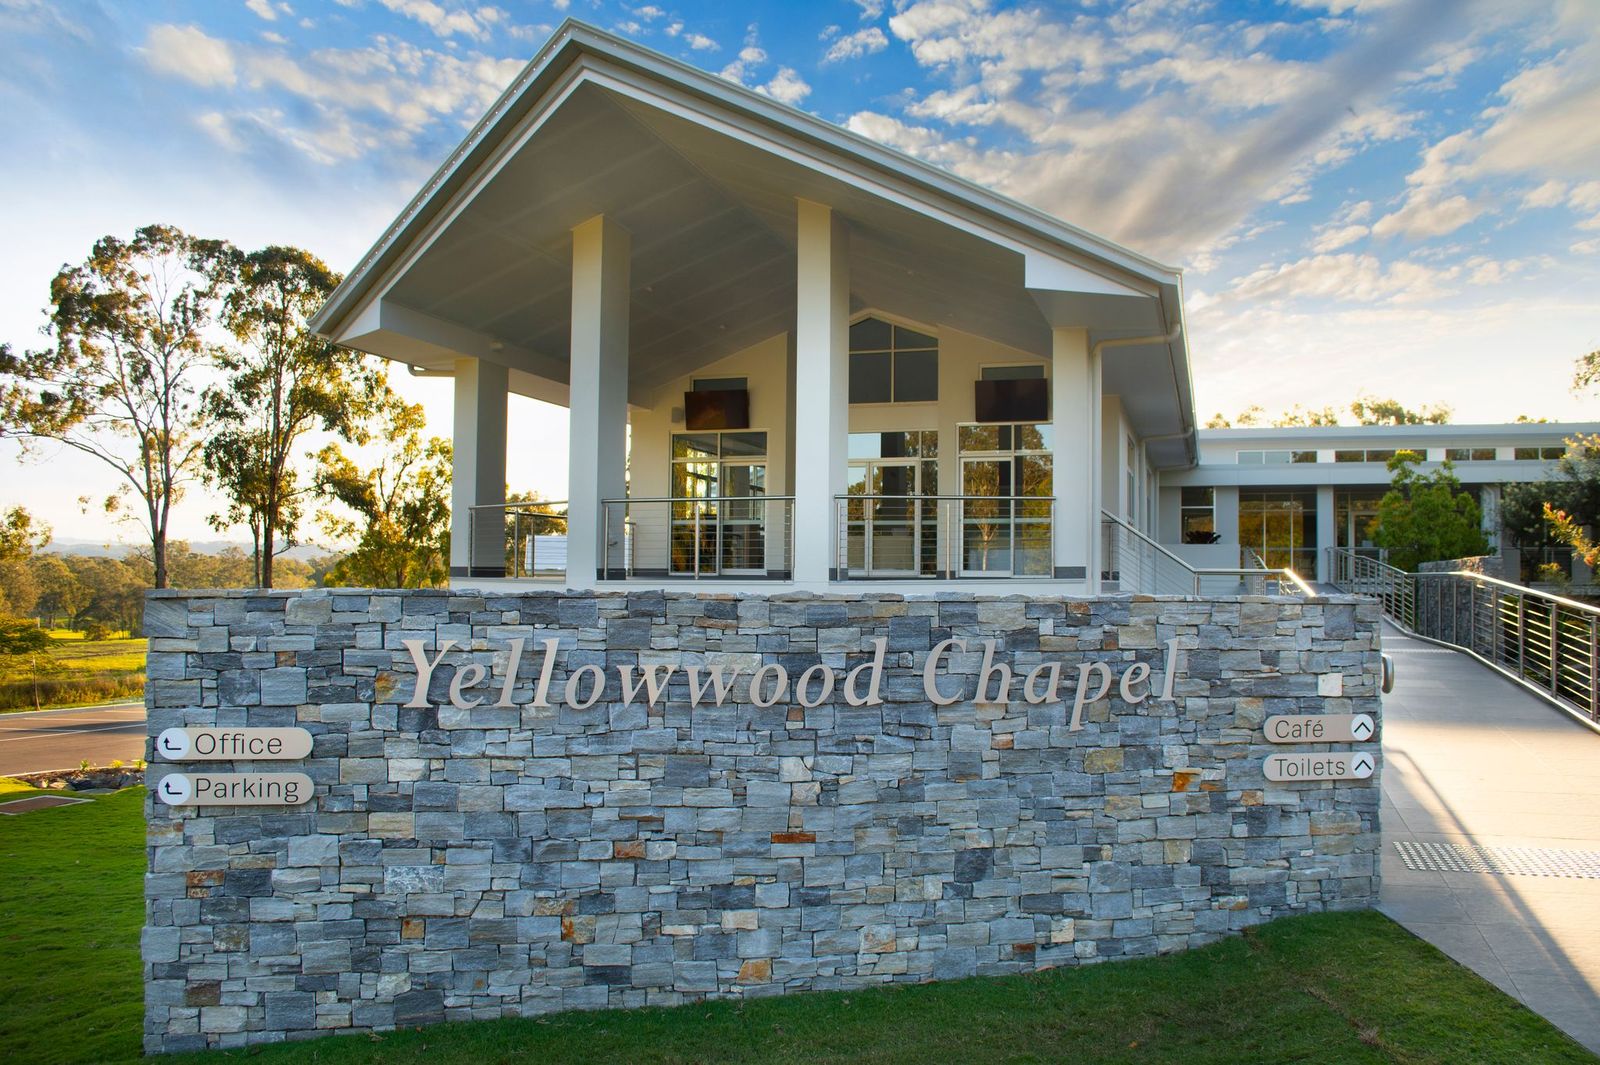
(283, 381)
(1251, 415)
(401, 506)
(61, 595)
(119, 383)
(1586, 374)
(1295, 415)
(20, 535)
(1563, 507)
(1372, 411)
(23, 641)
(1426, 518)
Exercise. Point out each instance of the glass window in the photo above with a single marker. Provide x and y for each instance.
(1349, 456)
(720, 384)
(984, 438)
(892, 364)
(1197, 515)
(1378, 455)
(1534, 454)
(1303, 456)
(1251, 458)
(743, 445)
(694, 445)
(915, 444)
(916, 376)
(1012, 373)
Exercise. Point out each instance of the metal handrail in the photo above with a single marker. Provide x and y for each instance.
(522, 553)
(654, 539)
(949, 566)
(1198, 575)
(1547, 643)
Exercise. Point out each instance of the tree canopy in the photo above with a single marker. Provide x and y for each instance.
(1426, 517)
(121, 381)
(1364, 409)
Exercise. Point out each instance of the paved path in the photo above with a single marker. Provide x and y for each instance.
(1469, 757)
(60, 739)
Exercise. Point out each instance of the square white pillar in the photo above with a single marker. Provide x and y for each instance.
(1327, 534)
(478, 470)
(1075, 430)
(598, 399)
(1225, 512)
(821, 388)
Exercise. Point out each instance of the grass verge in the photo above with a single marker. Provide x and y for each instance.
(1326, 988)
(80, 673)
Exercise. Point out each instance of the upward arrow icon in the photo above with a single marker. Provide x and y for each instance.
(1363, 765)
(1361, 727)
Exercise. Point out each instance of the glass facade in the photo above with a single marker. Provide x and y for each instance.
(1007, 479)
(891, 528)
(1281, 527)
(718, 484)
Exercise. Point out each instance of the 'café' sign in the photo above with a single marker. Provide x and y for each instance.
(771, 683)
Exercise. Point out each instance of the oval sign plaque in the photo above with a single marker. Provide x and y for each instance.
(234, 789)
(1320, 728)
(1337, 765)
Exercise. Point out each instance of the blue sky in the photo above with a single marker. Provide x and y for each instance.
(1400, 197)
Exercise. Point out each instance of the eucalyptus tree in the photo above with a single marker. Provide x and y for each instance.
(281, 382)
(122, 378)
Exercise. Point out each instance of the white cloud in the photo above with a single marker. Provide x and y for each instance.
(1344, 277)
(857, 45)
(870, 9)
(750, 56)
(1423, 216)
(188, 53)
(1550, 194)
(700, 42)
(268, 10)
(445, 23)
(649, 12)
(786, 87)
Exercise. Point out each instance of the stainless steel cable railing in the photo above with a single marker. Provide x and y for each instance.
(1135, 562)
(1546, 642)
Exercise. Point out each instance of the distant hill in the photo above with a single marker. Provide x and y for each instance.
(67, 545)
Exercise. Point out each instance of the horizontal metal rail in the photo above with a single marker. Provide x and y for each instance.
(1548, 643)
(525, 539)
(944, 537)
(1137, 563)
(745, 537)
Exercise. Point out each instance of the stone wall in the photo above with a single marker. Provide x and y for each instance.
(460, 864)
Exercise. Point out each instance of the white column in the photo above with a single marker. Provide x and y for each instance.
(821, 387)
(1075, 428)
(1225, 501)
(598, 441)
(478, 470)
(1327, 535)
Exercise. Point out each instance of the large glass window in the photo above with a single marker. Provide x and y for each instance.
(891, 521)
(1007, 509)
(718, 514)
(892, 364)
(1535, 454)
(1469, 454)
(1275, 457)
(1281, 527)
(1197, 515)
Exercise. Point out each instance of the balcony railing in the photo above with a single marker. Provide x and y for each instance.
(1133, 562)
(1548, 643)
(739, 537)
(933, 537)
(526, 540)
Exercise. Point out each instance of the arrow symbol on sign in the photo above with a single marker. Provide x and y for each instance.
(167, 787)
(167, 744)
(1361, 728)
(1363, 765)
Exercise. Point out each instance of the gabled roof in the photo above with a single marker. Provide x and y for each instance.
(576, 43)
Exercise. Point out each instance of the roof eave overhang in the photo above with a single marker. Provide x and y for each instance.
(577, 49)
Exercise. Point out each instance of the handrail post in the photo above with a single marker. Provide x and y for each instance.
(1555, 649)
(1594, 668)
(1522, 636)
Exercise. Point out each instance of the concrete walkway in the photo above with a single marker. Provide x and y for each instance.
(1469, 757)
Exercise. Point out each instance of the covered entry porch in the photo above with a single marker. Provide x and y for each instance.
(787, 354)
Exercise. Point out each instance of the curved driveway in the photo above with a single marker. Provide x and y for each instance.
(36, 741)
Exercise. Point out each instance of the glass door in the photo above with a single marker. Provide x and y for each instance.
(743, 526)
(695, 486)
(883, 533)
(986, 518)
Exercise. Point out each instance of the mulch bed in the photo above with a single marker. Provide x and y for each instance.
(104, 778)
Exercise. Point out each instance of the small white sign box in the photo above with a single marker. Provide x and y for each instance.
(1320, 728)
(234, 789)
(233, 744)
(1338, 765)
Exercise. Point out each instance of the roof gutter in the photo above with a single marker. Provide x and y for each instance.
(1170, 338)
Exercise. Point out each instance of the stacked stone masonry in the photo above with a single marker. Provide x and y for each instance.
(463, 864)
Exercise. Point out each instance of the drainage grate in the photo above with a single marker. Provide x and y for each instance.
(36, 802)
(1503, 861)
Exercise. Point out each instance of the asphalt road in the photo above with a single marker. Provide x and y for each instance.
(37, 741)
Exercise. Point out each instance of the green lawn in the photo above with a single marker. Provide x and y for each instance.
(1323, 988)
(81, 673)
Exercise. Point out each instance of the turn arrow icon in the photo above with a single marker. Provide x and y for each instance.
(1361, 727)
